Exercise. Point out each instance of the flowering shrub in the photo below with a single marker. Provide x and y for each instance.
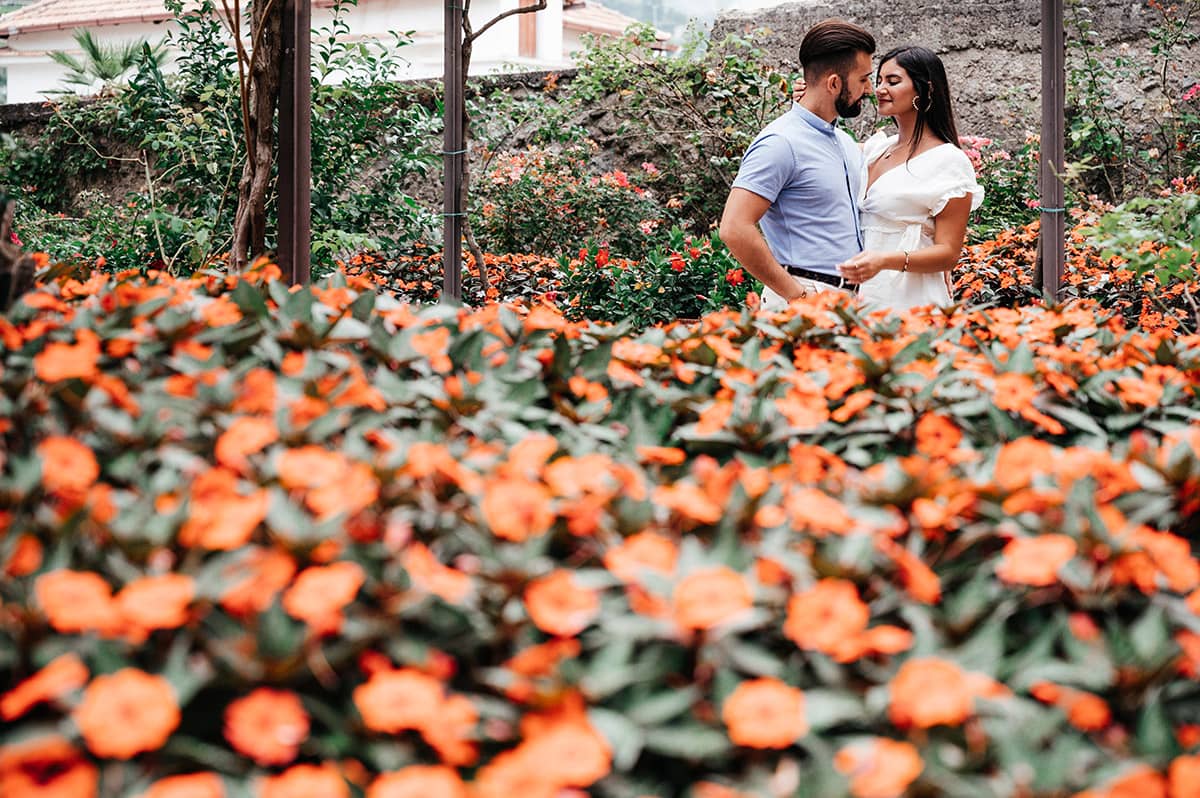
(685, 279)
(549, 202)
(316, 542)
(1009, 181)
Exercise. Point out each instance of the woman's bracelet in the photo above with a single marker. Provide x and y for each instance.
(904, 268)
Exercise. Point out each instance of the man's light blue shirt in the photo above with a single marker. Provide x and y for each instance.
(812, 173)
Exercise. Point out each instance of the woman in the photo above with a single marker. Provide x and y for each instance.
(919, 189)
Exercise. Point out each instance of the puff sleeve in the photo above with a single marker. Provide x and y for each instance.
(955, 178)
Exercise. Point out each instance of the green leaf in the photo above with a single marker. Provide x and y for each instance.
(824, 709)
(625, 738)
(692, 742)
(664, 706)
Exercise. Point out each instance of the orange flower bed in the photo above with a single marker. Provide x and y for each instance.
(266, 542)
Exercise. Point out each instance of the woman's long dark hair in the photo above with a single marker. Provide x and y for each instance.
(933, 92)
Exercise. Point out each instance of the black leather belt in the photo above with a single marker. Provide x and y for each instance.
(820, 277)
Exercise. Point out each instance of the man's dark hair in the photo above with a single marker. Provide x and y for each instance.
(831, 46)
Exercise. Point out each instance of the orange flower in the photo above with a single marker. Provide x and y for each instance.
(333, 483)
(126, 713)
(1183, 777)
(571, 753)
(69, 467)
(26, 556)
(661, 455)
(689, 501)
(1014, 392)
(559, 606)
(157, 602)
(809, 508)
(542, 659)
(268, 726)
(219, 516)
(392, 701)
(1087, 712)
(46, 767)
(822, 617)
(419, 781)
(257, 393)
(430, 575)
(645, 551)
(709, 789)
(246, 436)
(1140, 783)
(256, 580)
(433, 345)
(937, 435)
(321, 592)
(879, 768)
(59, 361)
(710, 597)
(64, 674)
(928, 692)
(1035, 561)
(765, 713)
(193, 785)
(452, 735)
(305, 781)
(77, 601)
(517, 509)
(1018, 462)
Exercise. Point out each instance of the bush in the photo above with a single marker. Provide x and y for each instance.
(318, 540)
(548, 202)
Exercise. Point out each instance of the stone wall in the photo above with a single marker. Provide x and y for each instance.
(992, 51)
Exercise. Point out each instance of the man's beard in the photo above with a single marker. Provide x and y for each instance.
(845, 108)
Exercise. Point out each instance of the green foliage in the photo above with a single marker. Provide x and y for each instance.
(695, 112)
(969, 535)
(685, 278)
(178, 139)
(1157, 236)
(104, 65)
(550, 202)
(1009, 180)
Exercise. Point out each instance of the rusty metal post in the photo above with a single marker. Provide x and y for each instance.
(453, 152)
(295, 143)
(1050, 169)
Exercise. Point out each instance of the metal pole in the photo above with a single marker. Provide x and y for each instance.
(453, 153)
(295, 143)
(1050, 186)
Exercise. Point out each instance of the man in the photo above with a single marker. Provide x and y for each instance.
(801, 176)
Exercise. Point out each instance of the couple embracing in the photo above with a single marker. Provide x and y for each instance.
(887, 220)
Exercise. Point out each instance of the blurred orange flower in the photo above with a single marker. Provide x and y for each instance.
(765, 713)
(126, 713)
(305, 781)
(452, 736)
(395, 700)
(61, 676)
(1183, 777)
(157, 602)
(419, 781)
(879, 768)
(193, 785)
(559, 606)
(937, 435)
(710, 597)
(1035, 561)
(59, 361)
(77, 601)
(69, 467)
(822, 617)
(46, 767)
(428, 574)
(928, 692)
(268, 726)
(26, 555)
(517, 509)
(321, 592)
(219, 516)
(247, 435)
(255, 580)
(644, 551)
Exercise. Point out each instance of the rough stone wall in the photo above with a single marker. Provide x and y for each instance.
(992, 51)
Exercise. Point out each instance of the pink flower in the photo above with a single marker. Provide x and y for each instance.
(1032, 203)
(1191, 93)
(649, 168)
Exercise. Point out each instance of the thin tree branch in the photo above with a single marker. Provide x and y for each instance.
(541, 5)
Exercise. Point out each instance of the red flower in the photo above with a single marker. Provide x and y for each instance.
(677, 263)
(601, 258)
(735, 277)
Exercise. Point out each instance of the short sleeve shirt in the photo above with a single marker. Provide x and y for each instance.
(811, 172)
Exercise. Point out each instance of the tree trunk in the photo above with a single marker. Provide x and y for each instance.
(250, 225)
(472, 245)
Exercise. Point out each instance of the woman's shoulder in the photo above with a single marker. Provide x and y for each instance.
(951, 155)
(876, 144)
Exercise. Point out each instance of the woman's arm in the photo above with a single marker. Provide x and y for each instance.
(949, 232)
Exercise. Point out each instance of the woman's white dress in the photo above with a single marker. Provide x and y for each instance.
(896, 213)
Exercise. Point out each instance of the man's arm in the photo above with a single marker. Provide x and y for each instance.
(739, 230)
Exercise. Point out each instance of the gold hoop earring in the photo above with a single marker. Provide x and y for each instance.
(928, 105)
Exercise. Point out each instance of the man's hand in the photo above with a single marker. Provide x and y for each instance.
(798, 89)
(739, 231)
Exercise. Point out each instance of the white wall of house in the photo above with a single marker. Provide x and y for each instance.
(33, 77)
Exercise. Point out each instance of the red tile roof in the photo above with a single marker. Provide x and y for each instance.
(591, 17)
(45, 15)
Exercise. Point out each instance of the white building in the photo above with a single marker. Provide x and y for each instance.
(521, 42)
